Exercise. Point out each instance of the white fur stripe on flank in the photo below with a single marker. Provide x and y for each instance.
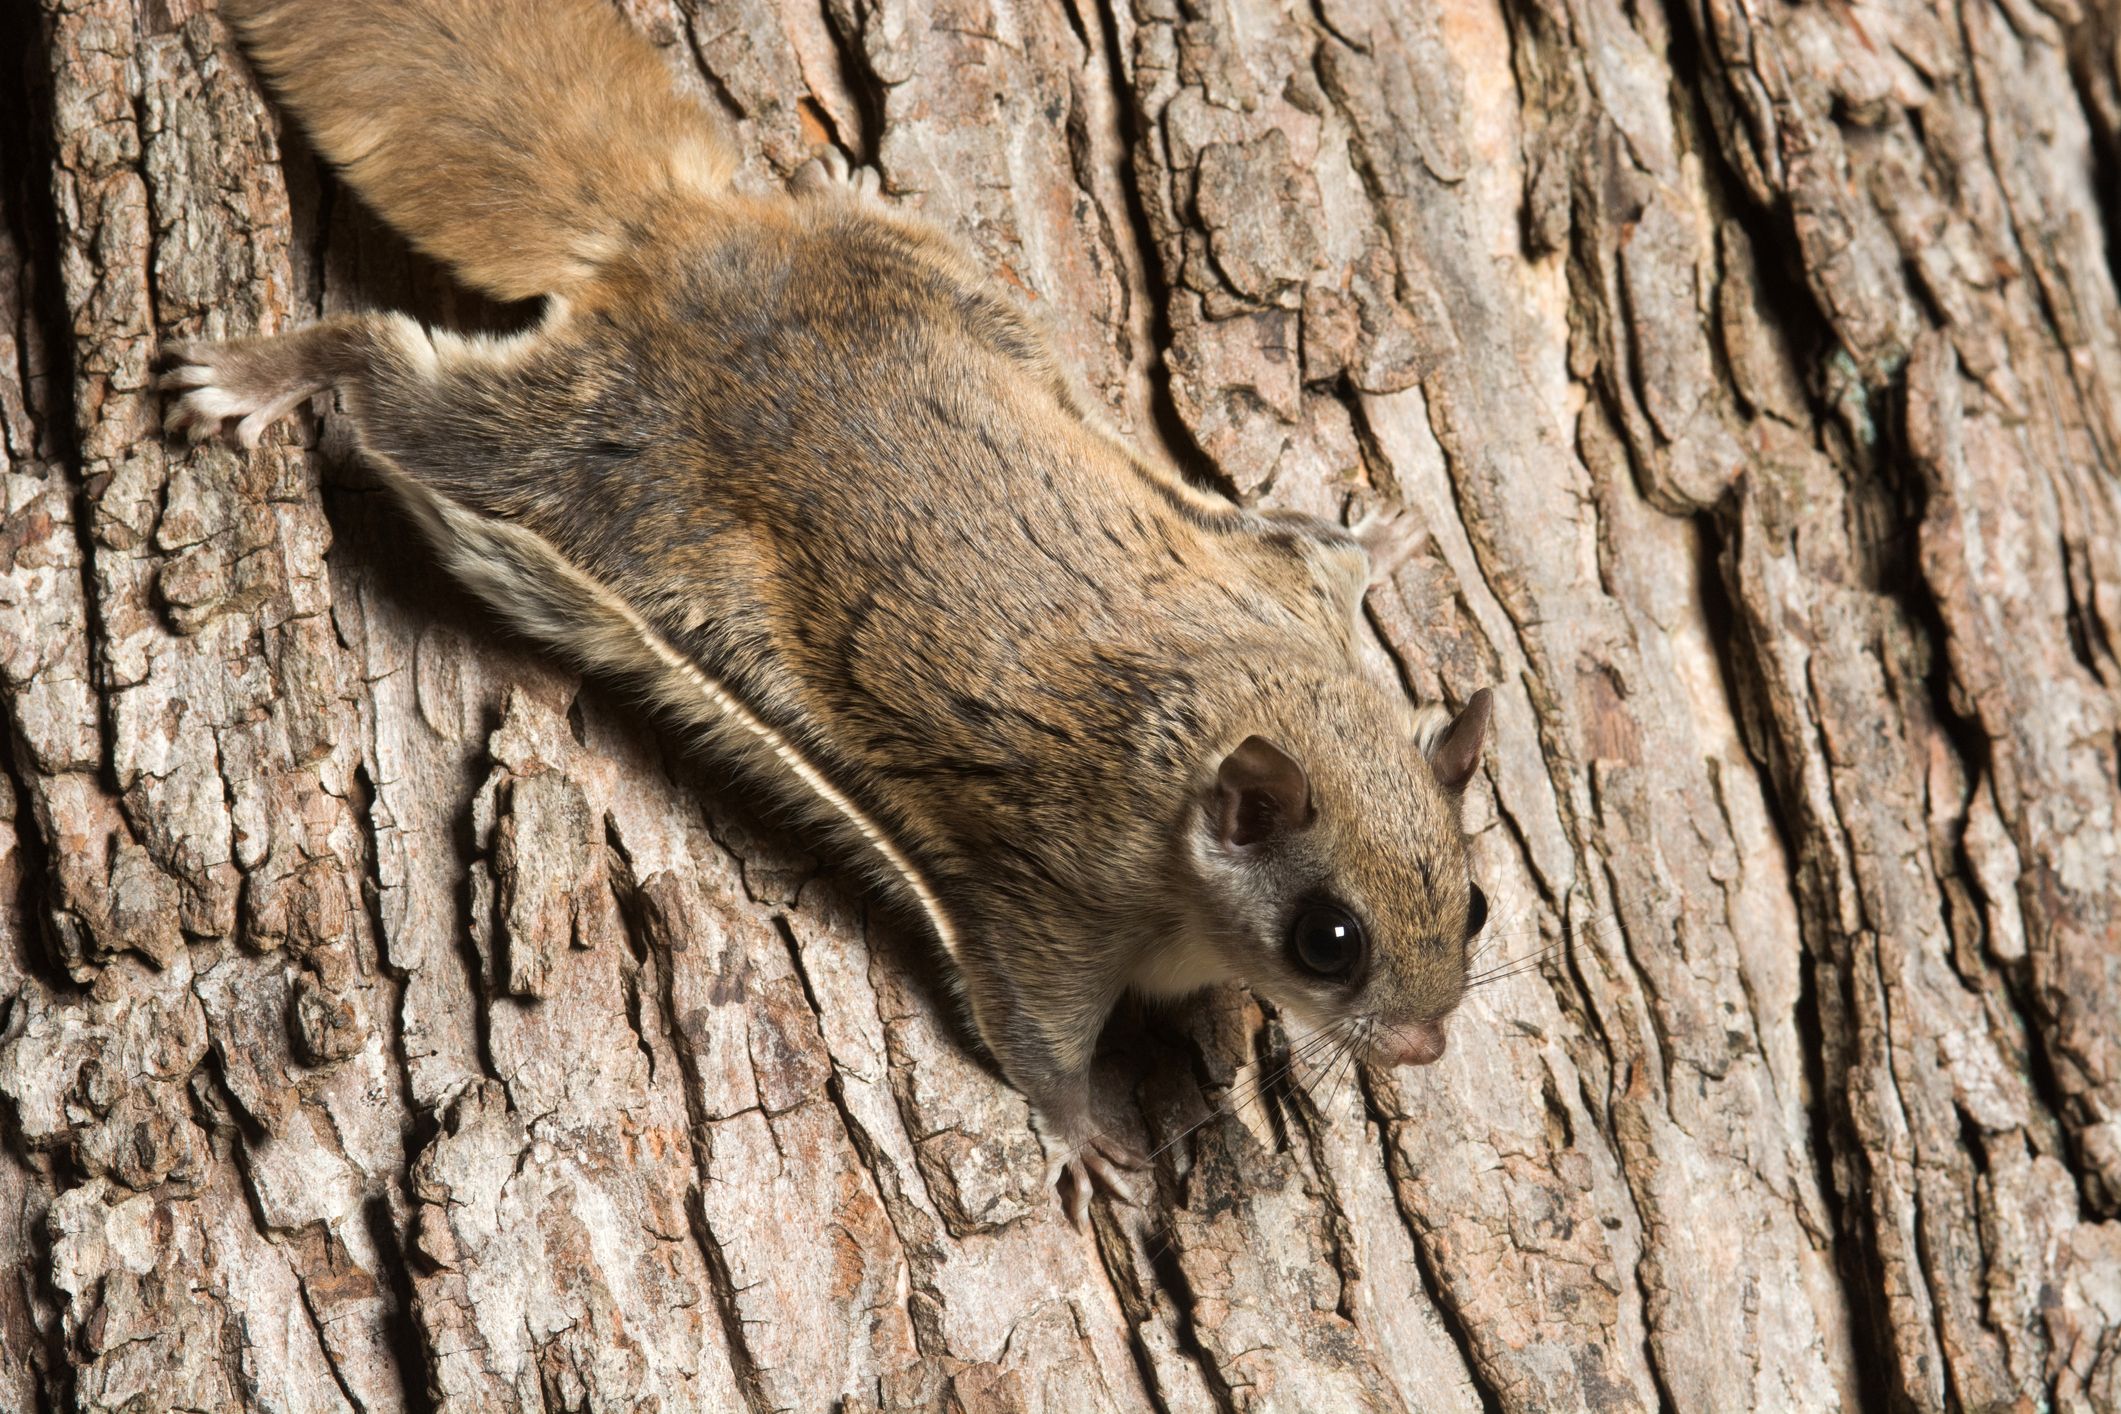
(810, 776)
(487, 575)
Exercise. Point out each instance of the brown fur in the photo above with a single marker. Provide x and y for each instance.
(524, 166)
(793, 465)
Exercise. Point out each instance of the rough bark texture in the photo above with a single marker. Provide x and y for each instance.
(390, 1020)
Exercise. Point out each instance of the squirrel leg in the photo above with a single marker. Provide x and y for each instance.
(1044, 1039)
(239, 388)
(441, 409)
(1339, 564)
(1082, 1157)
(441, 417)
(390, 370)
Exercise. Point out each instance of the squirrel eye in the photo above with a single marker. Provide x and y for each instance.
(1476, 913)
(1326, 940)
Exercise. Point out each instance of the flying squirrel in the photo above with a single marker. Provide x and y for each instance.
(794, 467)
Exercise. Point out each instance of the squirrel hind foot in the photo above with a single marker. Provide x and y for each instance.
(233, 390)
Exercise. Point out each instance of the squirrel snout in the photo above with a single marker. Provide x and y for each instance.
(1419, 1044)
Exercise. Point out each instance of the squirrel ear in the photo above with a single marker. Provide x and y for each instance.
(1454, 752)
(1260, 789)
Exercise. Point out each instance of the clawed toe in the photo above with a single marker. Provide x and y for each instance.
(214, 392)
(1080, 1176)
(830, 171)
(200, 413)
(1390, 538)
(179, 376)
(1114, 1176)
(1099, 1163)
(821, 173)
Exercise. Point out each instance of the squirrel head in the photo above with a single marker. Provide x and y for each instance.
(1331, 864)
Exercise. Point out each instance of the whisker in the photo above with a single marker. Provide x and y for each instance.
(1503, 974)
(1294, 1044)
(1544, 950)
(1498, 968)
(1242, 1099)
(1346, 1069)
(1493, 935)
(1310, 1045)
(1529, 920)
(1314, 1043)
(1320, 1061)
(1322, 1043)
(1325, 1080)
(1332, 1040)
(1510, 969)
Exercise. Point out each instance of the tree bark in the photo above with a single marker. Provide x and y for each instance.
(390, 1019)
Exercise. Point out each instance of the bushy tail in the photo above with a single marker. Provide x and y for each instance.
(521, 141)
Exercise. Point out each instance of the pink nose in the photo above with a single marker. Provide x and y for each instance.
(1418, 1044)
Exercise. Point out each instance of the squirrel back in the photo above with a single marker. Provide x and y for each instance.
(452, 120)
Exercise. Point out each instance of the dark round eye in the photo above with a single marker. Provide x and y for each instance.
(1326, 940)
(1476, 912)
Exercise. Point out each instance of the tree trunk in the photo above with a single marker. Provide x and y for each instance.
(390, 1019)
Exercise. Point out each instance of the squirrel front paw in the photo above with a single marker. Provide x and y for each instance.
(1082, 1158)
(250, 383)
(1390, 537)
(830, 171)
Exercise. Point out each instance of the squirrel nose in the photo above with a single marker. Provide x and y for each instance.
(1419, 1044)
